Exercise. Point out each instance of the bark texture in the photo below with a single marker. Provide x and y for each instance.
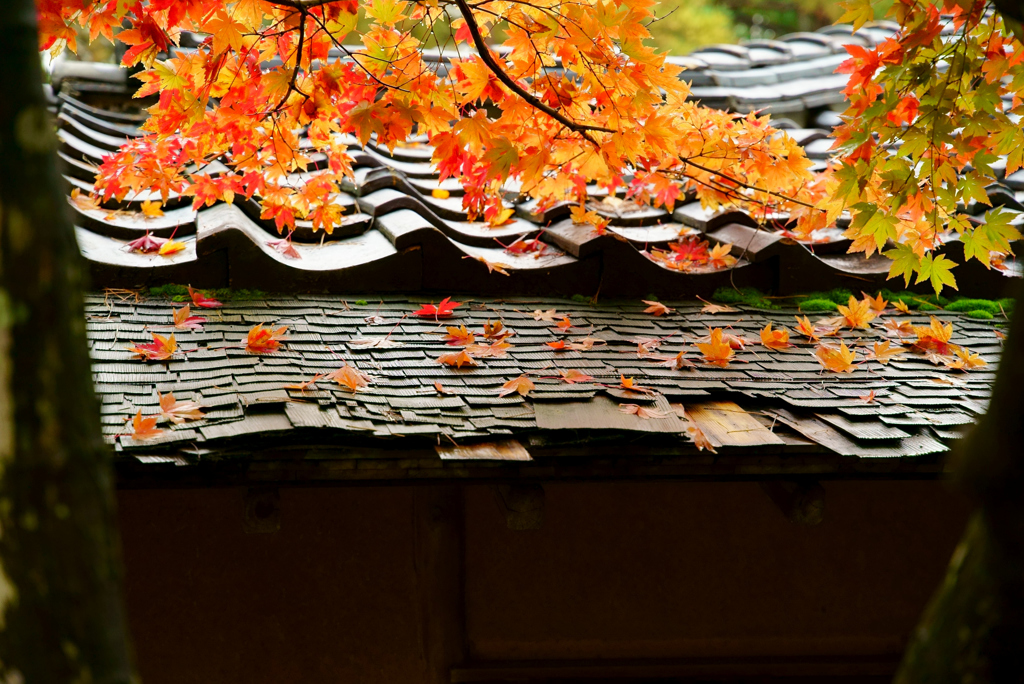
(61, 610)
(973, 630)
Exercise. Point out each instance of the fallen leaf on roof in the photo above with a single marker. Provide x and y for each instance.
(459, 336)
(492, 266)
(775, 339)
(966, 360)
(565, 323)
(442, 310)
(869, 397)
(171, 247)
(949, 381)
(523, 385)
(160, 349)
(710, 308)
(656, 308)
(262, 340)
(934, 337)
(440, 193)
(183, 320)
(586, 344)
(178, 411)
(349, 377)
(677, 362)
(837, 360)
(376, 342)
(441, 389)
(804, 327)
(548, 315)
(144, 428)
(494, 349)
(573, 376)
(284, 247)
(736, 342)
(898, 328)
(457, 359)
(201, 300)
(151, 208)
(884, 352)
(558, 345)
(876, 303)
(496, 330)
(304, 386)
(147, 244)
(856, 314)
(716, 352)
(642, 411)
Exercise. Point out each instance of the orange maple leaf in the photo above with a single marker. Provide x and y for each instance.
(572, 376)
(710, 308)
(719, 256)
(443, 310)
(775, 339)
(883, 352)
(349, 377)
(934, 337)
(715, 351)
(183, 320)
(565, 323)
(804, 327)
(857, 314)
(876, 303)
(523, 385)
(262, 340)
(171, 247)
(179, 411)
(457, 359)
(901, 307)
(496, 330)
(160, 349)
(496, 349)
(201, 300)
(558, 345)
(586, 344)
(656, 308)
(459, 336)
(144, 428)
(836, 360)
(965, 360)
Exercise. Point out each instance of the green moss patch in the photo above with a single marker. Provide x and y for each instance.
(829, 301)
(179, 293)
(748, 296)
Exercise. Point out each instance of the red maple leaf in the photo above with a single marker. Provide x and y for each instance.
(147, 244)
(442, 310)
(201, 300)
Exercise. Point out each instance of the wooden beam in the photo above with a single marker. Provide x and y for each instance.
(801, 501)
(439, 565)
(522, 505)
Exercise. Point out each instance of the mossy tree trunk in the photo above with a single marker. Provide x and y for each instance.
(973, 630)
(61, 610)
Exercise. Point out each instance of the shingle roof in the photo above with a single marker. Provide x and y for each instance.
(778, 409)
(397, 236)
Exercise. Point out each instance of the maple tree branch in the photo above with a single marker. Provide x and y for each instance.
(748, 186)
(488, 59)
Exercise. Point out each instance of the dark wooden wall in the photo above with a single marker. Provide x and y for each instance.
(362, 584)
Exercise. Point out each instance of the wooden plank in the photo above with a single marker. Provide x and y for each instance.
(602, 413)
(863, 429)
(727, 424)
(507, 450)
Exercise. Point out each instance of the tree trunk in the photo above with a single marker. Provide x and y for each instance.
(61, 611)
(973, 629)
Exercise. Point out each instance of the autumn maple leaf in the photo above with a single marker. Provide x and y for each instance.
(145, 428)
(262, 340)
(184, 321)
(642, 411)
(442, 310)
(965, 360)
(497, 348)
(836, 360)
(804, 327)
(201, 300)
(496, 330)
(720, 257)
(179, 411)
(459, 336)
(656, 308)
(877, 303)
(573, 376)
(677, 362)
(548, 315)
(306, 384)
(715, 351)
(901, 307)
(160, 349)
(775, 339)
(349, 377)
(147, 244)
(170, 247)
(934, 337)
(457, 359)
(710, 308)
(899, 329)
(565, 323)
(523, 385)
(857, 314)
(883, 352)
(586, 344)
(558, 345)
